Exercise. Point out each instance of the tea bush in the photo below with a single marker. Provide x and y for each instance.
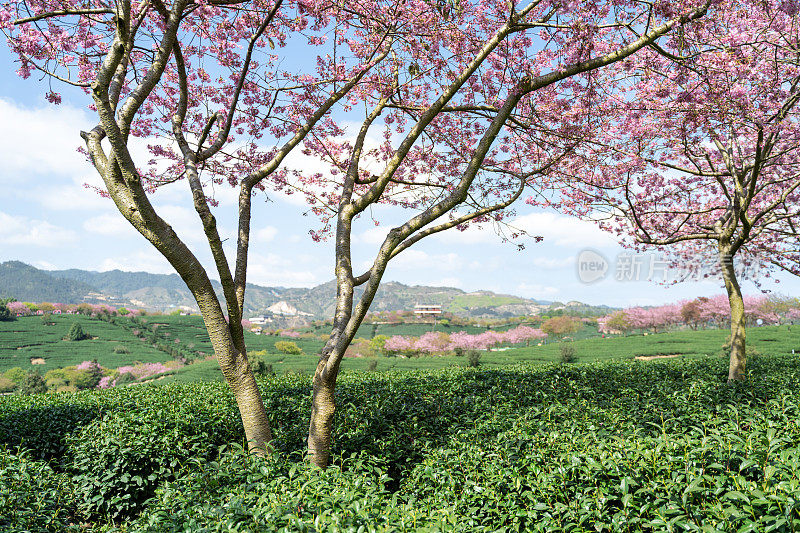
(33, 497)
(119, 458)
(635, 446)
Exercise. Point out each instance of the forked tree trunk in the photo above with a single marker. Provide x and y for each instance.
(738, 360)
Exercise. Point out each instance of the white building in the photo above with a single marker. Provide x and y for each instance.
(428, 310)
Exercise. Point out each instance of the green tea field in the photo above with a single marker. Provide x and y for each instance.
(616, 446)
(30, 343)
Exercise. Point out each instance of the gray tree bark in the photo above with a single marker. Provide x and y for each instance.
(738, 356)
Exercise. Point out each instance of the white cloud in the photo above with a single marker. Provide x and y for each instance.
(556, 229)
(145, 260)
(553, 263)
(70, 197)
(537, 291)
(275, 270)
(45, 265)
(41, 140)
(373, 235)
(487, 264)
(417, 259)
(479, 234)
(20, 230)
(266, 234)
(186, 223)
(110, 224)
(447, 282)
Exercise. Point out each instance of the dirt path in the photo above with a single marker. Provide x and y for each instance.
(651, 357)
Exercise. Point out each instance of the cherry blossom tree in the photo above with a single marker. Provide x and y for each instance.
(616, 322)
(698, 154)
(436, 342)
(399, 344)
(464, 341)
(690, 313)
(524, 334)
(200, 82)
(479, 102)
(654, 318)
(561, 325)
(18, 308)
(463, 138)
(433, 342)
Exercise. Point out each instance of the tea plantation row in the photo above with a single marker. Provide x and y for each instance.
(614, 446)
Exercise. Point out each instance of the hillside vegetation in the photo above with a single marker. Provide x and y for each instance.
(163, 292)
(29, 283)
(614, 446)
(160, 338)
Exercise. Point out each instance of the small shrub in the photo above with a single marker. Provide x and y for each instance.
(568, 354)
(6, 385)
(5, 314)
(372, 366)
(121, 349)
(76, 333)
(86, 379)
(15, 374)
(56, 379)
(125, 379)
(34, 384)
(459, 351)
(561, 325)
(288, 347)
(120, 458)
(260, 367)
(377, 344)
(474, 358)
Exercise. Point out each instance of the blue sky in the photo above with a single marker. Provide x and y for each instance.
(49, 219)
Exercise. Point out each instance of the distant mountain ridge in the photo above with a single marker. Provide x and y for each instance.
(164, 292)
(37, 285)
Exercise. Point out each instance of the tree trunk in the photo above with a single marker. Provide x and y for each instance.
(238, 374)
(322, 409)
(738, 361)
(252, 412)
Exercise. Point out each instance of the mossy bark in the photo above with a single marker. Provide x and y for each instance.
(738, 356)
(320, 429)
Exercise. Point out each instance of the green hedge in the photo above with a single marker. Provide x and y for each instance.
(33, 497)
(655, 446)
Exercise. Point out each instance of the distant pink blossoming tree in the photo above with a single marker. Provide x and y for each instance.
(698, 151)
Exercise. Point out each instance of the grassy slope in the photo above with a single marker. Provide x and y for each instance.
(29, 337)
(465, 301)
(770, 340)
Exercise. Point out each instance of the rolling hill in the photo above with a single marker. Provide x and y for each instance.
(165, 292)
